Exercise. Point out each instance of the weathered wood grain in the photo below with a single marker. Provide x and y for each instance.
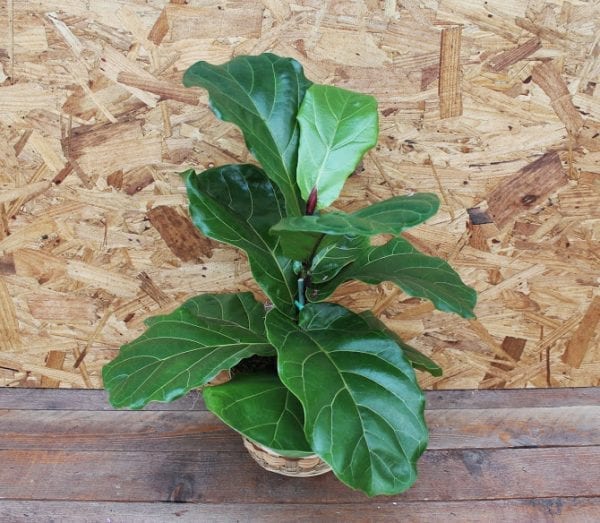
(96, 400)
(560, 509)
(504, 455)
(206, 476)
(188, 430)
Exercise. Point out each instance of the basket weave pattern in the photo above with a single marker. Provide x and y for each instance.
(297, 467)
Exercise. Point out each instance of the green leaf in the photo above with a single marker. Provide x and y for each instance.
(334, 253)
(415, 273)
(238, 204)
(300, 234)
(387, 217)
(337, 127)
(186, 348)
(262, 409)
(261, 95)
(417, 359)
(362, 405)
(299, 245)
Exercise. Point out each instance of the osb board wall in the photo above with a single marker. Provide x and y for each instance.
(494, 105)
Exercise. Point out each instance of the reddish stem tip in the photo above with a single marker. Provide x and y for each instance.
(311, 204)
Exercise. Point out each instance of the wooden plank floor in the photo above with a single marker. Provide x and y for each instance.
(513, 455)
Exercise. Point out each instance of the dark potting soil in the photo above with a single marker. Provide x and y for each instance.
(255, 364)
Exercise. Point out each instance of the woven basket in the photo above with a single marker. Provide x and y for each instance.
(296, 467)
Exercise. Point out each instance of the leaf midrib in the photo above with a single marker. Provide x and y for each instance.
(158, 361)
(320, 168)
(278, 154)
(348, 390)
(260, 243)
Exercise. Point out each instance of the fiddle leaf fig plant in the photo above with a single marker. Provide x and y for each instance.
(341, 384)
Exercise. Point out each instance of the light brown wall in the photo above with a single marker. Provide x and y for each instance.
(491, 104)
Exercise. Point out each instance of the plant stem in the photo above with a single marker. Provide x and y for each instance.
(301, 299)
(315, 249)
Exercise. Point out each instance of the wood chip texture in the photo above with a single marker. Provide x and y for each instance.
(493, 105)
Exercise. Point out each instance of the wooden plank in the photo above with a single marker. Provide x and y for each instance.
(206, 476)
(150, 431)
(514, 427)
(89, 456)
(191, 430)
(558, 509)
(79, 399)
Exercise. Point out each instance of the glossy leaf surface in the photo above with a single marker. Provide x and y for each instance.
(238, 204)
(387, 217)
(334, 253)
(415, 273)
(363, 407)
(261, 95)
(298, 245)
(337, 127)
(261, 408)
(186, 348)
(417, 359)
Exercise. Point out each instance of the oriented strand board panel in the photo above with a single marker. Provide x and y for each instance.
(493, 105)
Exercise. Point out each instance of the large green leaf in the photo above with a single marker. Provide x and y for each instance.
(362, 405)
(387, 217)
(261, 95)
(415, 273)
(186, 348)
(261, 408)
(417, 359)
(337, 127)
(334, 253)
(238, 204)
